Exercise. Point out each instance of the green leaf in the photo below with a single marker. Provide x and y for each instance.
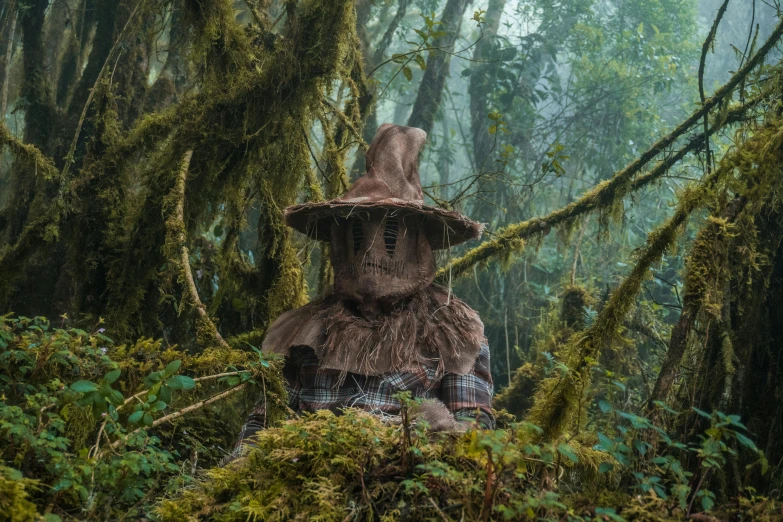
(115, 397)
(568, 452)
(104, 338)
(172, 367)
(147, 419)
(609, 512)
(701, 412)
(660, 492)
(636, 421)
(605, 467)
(84, 386)
(406, 71)
(707, 502)
(745, 441)
(111, 376)
(165, 394)
(605, 406)
(135, 417)
(764, 463)
(230, 381)
(419, 59)
(180, 382)
(664, 407)
(736, 421)
(159, 406)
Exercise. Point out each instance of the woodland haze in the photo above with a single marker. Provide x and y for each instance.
(625, 157)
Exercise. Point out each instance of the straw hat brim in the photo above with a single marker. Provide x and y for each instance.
(444, 228)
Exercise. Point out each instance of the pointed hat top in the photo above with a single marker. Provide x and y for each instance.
(391, 183)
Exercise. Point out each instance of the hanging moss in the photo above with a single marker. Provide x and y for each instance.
(558, 399)
(574, 303)
(551, 336)
(14, 491)
(255, 94)
(607, 196)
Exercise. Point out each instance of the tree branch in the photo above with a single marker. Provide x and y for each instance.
(177, 228)
(605, 193)
(193, 407)
(702, 62)
(557, 398)
(29, 152)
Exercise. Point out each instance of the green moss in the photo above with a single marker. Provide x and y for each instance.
(244, 120)
(327, 467)
(14, 490)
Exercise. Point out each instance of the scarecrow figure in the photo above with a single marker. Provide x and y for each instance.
(385, 327)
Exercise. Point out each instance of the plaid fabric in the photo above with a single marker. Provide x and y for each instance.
(468, 396)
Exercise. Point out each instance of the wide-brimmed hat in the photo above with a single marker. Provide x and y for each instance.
(391, 183)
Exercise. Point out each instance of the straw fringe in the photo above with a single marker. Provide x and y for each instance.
(428, 329)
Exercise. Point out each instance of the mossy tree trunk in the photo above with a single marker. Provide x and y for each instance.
(105, 250)
(480, 82)
(430, 94)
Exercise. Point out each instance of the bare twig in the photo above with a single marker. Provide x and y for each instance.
(184, 255)
(702, 62)
(440, 513)
(94, 449)
(70, 157)
(184, 411)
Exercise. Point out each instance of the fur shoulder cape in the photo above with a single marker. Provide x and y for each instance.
(431, 328)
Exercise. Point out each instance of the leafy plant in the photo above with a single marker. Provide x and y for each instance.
(644, 453)
(79, 438)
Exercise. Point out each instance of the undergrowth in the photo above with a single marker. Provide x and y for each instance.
(95, 431)
(355, 466)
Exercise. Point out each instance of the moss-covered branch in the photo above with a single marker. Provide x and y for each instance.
(707, 267)
(729, 236)
(29, 153)
(602, 196)
(558, 399)
(609, 192)
(179, 256)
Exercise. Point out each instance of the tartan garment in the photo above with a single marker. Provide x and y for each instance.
(310, 389)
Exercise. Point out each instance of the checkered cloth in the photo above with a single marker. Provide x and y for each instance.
(468, 397)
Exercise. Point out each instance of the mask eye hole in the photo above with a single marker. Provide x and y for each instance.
(390, 235)
(357, 235)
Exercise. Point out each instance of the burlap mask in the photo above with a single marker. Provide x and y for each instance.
(380, 256)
